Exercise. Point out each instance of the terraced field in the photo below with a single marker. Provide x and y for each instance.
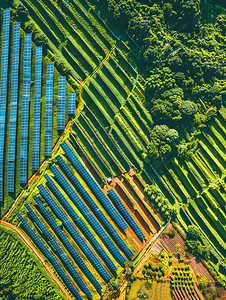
(199, 185)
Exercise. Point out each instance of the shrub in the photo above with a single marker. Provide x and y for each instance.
(189, 108)
(193, 232)
(172, 233)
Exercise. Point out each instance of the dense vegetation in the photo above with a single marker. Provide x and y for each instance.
(183, 45)
(182, 58)
(22, 276)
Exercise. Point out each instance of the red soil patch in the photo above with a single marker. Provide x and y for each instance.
(198, 267)
(222, 293)
(169, 243)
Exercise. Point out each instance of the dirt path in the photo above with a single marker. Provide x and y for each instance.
(47, 267)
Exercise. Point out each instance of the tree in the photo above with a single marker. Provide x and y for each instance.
(40, 39)
(189, 108)
(204, 282)
(171, 135)
(193, 232)
(177, 246)
(203, 251)
(132, 278)
(160, 136)
(116, 282)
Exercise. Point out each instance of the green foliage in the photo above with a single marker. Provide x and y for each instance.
(189, 108)
(193, 244)
(186, 149)
(193, 232)
(156, 198)
(22, 276)
(209, 291)
(22, 13)
(160, 138)
(115, 282)
(179, 48)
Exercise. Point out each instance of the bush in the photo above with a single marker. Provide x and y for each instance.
(189, 108)
(40, 39)
(172, 233)
(193, 232)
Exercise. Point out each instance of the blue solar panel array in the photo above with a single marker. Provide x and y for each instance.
(49, 110)
(71, 104)
(13, 106)
(126, 214)
(90, 218)
(25, 108)
(60, 252)
(95, 207)
(3, 90)
(50, 257)
(67, 244)
(61, 103)
(74, 233)
(94, 186)
(84, 210)
(37, 109)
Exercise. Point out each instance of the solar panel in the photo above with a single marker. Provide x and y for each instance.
(71, 104)
(61, 103)
(25, 108)
(94, 186)
(74, 233)
(49, 110)
(92, 204)
(37, 109)
(50, 257)
(3, 89)
(13, 106)
(85, 212)
(126, 214)
(67, 244)
(60, 252)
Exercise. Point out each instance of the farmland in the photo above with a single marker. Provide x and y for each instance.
(97, 157)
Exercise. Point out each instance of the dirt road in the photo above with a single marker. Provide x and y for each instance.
(47, 267)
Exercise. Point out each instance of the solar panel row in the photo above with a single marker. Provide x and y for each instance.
(92, 204)
(95, 188)
(49, 110)
(74, 233)
(61, 103)
(50, 257)
(83, 209)
(13, 106)
(93, 222)
(3, 90)
(71, 104)
(126, 214)
(60, 252)
(37, 109)
(67, 244)
(25, 108)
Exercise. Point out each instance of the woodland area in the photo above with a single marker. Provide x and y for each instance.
(182, 61)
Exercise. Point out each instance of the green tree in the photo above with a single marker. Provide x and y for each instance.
(189, 108)
(193, 232)
(115, 282)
